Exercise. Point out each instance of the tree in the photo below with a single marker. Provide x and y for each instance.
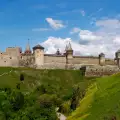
(21, 77)
(17, 100)
(77, 95)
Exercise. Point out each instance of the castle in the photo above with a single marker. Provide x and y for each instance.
(13, 56)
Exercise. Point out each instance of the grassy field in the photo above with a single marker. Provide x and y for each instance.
(61, 81)
(102, 101)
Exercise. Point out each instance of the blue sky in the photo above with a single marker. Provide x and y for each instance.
(41, 20)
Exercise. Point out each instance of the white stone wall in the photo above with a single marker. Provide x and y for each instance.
(12, 57)
(102, 60)
(83, 60)
(9, 62)
(55, 59)
(13, 51)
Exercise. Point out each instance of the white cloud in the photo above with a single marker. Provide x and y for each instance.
(95, 13)
(75, 30)
(53, 43)
(82, 12)
(109, 23)
(40, 29)
(55, 24)
(106, 39)
(72, 11)
(88, 35)
(117, 40)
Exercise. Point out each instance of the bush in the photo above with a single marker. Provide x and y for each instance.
(77, 95)
(17, 100)
(21, 77)
(65, 108)
(41, 89)
(18, 86)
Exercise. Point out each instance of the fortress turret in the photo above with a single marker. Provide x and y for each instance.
(38, 51)
(117, 55)
(58, 52)
(102, 59)
(69, 51)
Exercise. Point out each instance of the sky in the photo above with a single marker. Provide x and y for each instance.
(92, 26)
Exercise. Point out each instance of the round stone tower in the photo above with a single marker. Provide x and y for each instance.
(38, 52)
(117, 55)
(101, 59)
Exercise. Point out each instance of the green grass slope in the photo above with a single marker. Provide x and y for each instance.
(52, 88)
(61, 81)
(102, 101)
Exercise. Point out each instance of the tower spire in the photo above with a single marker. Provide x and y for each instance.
(28, 50)
(69, 46)
(66, 48)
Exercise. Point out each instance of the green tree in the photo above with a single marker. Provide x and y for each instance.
(17, 100)
(21, 77)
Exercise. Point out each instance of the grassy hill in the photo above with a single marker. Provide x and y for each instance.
(60, 82)
(40, 88)
(102, 101)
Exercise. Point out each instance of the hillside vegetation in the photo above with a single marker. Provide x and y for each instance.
(101, 102)
(40, 92)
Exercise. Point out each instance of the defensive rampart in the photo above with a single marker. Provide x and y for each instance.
(97, 71)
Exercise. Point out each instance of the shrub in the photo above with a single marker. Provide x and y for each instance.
(77, 95)
(65, 108)
(17, 100)
(41, 89)
(18, 86)
(21, 77)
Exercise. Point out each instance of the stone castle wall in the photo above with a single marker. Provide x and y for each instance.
(9, 62)
(98, 71)
(52, 59)
(83, 60)
(109, 62)
(13, 57)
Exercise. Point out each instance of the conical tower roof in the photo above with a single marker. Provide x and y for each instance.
(28, 50)
(69, 46)
(28, 46)
(66, 48)
(118, 50)
(58, 52)
(38, 47)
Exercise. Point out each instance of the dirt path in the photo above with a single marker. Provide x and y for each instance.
(61, 116)
(6, 73)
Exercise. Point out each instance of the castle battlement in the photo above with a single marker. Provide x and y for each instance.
(13, 56)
